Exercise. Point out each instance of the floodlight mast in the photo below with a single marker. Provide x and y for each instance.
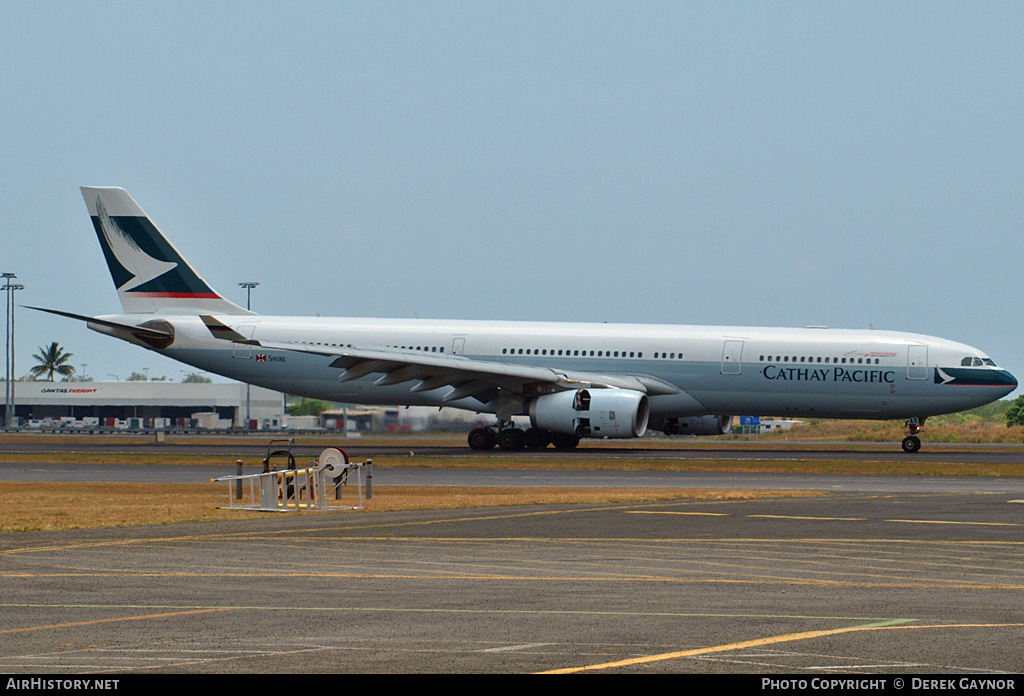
(248, 285)
(10, 287)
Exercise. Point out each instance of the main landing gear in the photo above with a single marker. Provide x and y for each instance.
(512, 439)
(912, 443)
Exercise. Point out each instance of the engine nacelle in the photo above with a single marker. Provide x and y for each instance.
(615, 413)
(698, 425)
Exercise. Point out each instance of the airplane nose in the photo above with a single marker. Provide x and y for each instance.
(1006, 381)
(1011, 381)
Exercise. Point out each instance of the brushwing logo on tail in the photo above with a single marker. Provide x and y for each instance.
(128, 253)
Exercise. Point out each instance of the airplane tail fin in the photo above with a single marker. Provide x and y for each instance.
(149, 273)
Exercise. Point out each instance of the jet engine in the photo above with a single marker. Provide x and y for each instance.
(157, 333)
(613, 413)
(697, 425)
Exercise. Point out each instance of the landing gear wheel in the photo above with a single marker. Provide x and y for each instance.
(564, 442)
(482, 439)
(536, 438)
(911, 444)
(511, 439)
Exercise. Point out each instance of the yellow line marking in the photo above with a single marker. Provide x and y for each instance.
(798, 517)
(140, 617)
(538, 577)
(980, 524)
(667, 512)
(771, 640)
(301, 533)
(310, 536)
(438, 610)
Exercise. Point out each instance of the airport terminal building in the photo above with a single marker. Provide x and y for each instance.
(143, 404)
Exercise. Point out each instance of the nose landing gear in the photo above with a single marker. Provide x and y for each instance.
(912, 443)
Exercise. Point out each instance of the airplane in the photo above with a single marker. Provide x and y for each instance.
(573, 380)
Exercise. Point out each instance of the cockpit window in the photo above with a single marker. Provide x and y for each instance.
(989, 361)
(966, 362)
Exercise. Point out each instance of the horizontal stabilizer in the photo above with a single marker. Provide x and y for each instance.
(140, 331)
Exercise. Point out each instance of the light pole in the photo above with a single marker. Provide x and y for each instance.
(248, 285)
(14, 381)
(10, 287)
(7, 351)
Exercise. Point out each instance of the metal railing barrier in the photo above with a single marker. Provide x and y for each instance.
(292, 489)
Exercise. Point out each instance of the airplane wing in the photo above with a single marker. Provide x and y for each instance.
(467, 377)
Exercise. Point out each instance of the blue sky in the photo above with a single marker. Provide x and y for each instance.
(843, 163)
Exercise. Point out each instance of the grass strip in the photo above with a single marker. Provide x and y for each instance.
(34, 506)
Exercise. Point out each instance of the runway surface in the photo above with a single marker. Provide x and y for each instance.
(895, 575)
(551, 478)
(899, 584)
(683, 450)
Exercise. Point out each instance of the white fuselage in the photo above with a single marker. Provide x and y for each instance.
(807, 372)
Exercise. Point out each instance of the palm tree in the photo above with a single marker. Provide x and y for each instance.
(52, 359)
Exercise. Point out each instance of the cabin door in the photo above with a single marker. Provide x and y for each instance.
(243, 351)
(732, 358)
(917, 362)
